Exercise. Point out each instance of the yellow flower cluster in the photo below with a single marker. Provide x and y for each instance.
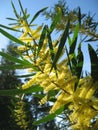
(82, 104)
(21, 115)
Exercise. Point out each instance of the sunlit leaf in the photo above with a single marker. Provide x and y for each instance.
(11, 37)
(37, 14)
(11, 58)
(9, 28)
(22, 64)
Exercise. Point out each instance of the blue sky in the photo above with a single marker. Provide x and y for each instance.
(34, 5)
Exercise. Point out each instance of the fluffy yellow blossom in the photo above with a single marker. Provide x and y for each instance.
(22, 48)
(43, 100)
(62, 99)
(78, 94)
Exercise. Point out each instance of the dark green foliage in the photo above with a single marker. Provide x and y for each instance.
(94, 63)
(9, 81)
(61, 44)
(42, 38)
(50, 116)
(80, 61)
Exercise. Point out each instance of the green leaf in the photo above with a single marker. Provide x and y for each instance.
(11, 58)
(32, 89)
(16, 14)
(13, 92)
(49, 117)
(25, 75)
(69, 40)
(52, 93)
(80, 60)
(74, 40)
(19, 66)
(37, 14)
(22, 8)
(50, 45)
(56, 20)
(9, 28)
(94, 62)
(22, 64)
(61, 45)
(40, 96)
(79, 17)
(42, 38)
(11, 37)
(11, 19)
(92, 39)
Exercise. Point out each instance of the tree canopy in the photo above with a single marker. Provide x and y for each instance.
(55, 66)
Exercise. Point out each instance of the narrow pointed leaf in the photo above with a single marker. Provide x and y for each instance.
(80, 60)
(92, 39)
(11, 58)
(42, 38)
(24, 15)
(56, 20)
(49, 117)
(19, 66)
(79, 17)
(14, 10)
(69, 40)
(37, 14)
(74, 40)
(11, 37)
(11, 19)
(61, 45)
(13, 92)
(94, 62)
(25, 75)
(9, 28)
(50, 45)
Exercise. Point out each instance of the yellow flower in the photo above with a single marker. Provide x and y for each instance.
(43, 100)
(62, 99)
(49, 87)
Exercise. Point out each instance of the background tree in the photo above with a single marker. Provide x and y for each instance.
(8, 81)
(88, 26)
